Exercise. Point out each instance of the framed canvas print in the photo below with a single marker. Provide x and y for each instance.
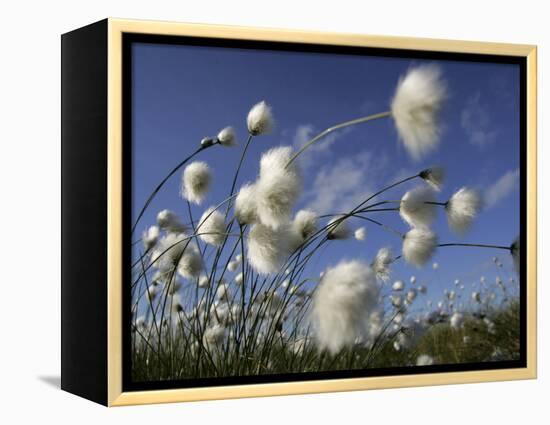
(251, 212)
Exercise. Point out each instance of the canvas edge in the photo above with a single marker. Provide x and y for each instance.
(116, 27)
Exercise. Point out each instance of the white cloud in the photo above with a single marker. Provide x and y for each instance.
(501, 188)
(340, 186)
(305, 133)
(476, 122)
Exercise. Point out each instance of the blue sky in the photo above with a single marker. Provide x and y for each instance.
(183, 93)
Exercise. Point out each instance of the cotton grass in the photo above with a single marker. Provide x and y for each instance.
(415, 108)
(342, 304)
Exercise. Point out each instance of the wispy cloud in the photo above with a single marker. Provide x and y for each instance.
(501, 188)
(476, 122)
(305, 133)
(340, 186)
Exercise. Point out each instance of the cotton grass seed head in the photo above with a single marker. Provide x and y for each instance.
(419, 245)
(424, 360)
(342, 304)
(168, 251)
(190, 264)
(434, 176)
(304, 225)
(278, 187)
(457, 320)
(398, 285)
(226, 137)
(195, 182)
(361, 234)
(415, 108)
(381, 263)
(267, 248)
(462, 209)
(245, 205)
(260, 119)
(150, 237)
(170, 222)
(416, 207)
(211, 228)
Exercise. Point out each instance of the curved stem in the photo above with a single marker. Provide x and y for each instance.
(337, 127)
(478, 245)
(159, 186)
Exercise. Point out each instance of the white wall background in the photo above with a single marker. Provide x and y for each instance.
(30, 199)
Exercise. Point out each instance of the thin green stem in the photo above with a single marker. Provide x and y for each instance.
(337, 127)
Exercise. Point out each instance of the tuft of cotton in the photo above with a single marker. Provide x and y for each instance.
(338, 228)
(514, 250)
(204, 281)
(150, 237)
(415, 108)
(398, 285)
(381, 263)
(424, 360)
(457, 320)
(411, 295)
(190, 264)
(233, 266)
(195, 182)
(476, 296)
(278, 187)
(267, 248)
(343, 303)
(245, 205)
(226, 137)
(416, 207)
(422, 289)
(419, 245)
(222, 293)
(361, 234)
(462, 208)
(211, 228)
(434, 176)
(239, 279)
(413, 280)
(213, 337)
(169, 221)
(304, 226)
(169, 251)
(260, 119)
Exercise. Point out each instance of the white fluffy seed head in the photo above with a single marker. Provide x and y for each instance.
(150, 237)
(260, 119)
(213, 337)
(169, 221)
(195, 182)
(232, 266)
(226, 137)
(462, 208)
(419, 246)
(434, 176)
(457, 320)
(211, 228)
(267, 248)
(381, 263)
(361, 234)
(204, 281)
(190, 265)
(168, 251)
(415, 208)
(343, 303)
(304, 225)
(415, 108)
(424, 360)
(398, 285)
(239, 279)
(338, 228)
(278, 186)
(411, 295)
(245, 205)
